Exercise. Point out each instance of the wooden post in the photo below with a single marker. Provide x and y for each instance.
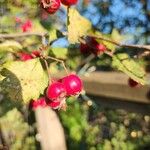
(50, 129)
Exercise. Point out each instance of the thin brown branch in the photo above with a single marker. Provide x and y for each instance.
(17, 35)
(145, 47)
(48, 72)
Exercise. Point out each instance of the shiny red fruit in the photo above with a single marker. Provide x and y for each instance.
(27, 26)
(51, 6)
(41, 102)
(54, 104)
(132, 83)
(73, 84)
(35, 53)
(24, 56)
(56, 91)
(69, 2)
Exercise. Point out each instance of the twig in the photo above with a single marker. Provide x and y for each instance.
(58, 60)
(146, 47)
(17, 35)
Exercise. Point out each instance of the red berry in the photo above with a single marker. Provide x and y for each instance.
(69, 2)
(132, 83)
(26, 26)
(41, 102)
(56, 91)
(33, 104)
(73, 84)
(84, 49)
(54, 104)
(51, 6)
(92, 46)
(96, 48)
(35, 53)
(25, 56)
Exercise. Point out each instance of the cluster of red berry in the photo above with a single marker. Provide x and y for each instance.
(25, 26)
(24, 56)
(92, 46)
(57, 92)
(51, 6)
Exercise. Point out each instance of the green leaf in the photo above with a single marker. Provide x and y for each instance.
(37, 27)
(24, 80)
(60, 52)
(98, 35)
(78, 26)
(109, 45)
(54, 35)
(127, 65)
(116, 36)
(10, 46)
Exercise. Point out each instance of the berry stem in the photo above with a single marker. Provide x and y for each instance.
(45, 5)
(60, 61)
(48, 72)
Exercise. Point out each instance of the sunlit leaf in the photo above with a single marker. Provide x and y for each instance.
(101, 39)
(78, 26)
(127, 65)
(54, 34)
(115, 35)
(10, 46)
(60, 52)
(24, 80)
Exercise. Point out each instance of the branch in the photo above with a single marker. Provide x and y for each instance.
(145, 47)
(17, 35)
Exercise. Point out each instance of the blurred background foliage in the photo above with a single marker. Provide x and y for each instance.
(87, 125)
(93, 127)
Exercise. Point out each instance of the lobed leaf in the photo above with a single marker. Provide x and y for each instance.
(78, 26)
(24, 80)
(127, 65)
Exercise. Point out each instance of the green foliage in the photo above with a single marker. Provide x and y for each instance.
(15, 131)
(54, 34)
(75, 124)
(127, 65)
(10, 46)
(59, 52)
(24, 80)
(98, 35)
(78, 26)
(102, 129)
